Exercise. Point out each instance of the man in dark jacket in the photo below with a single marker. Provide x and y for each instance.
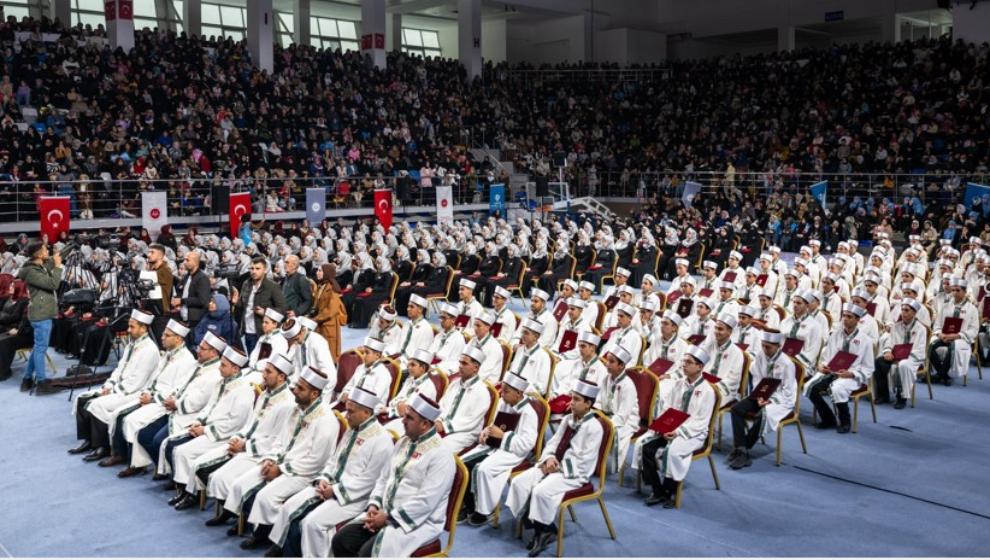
(296, 289)
(42, 276)
(256, 294)
(194, 293)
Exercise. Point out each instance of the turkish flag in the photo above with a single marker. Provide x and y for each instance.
(240, 211)
(383, 207)
(54, 214)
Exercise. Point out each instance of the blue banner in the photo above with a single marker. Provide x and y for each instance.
(820, 192)
(691, 190)
(316, 205)
(974, 192)
(496, 203)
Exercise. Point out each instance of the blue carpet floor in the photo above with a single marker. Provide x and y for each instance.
(913, 484)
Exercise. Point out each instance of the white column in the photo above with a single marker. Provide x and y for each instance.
(469, 36)
(785, 38)
(397, 32)
(62, 11)
(261, 34)
(192, 17)
(373, 31)
(301, 32)
(120, 23)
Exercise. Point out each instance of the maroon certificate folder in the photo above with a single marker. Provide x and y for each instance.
(765, 389)
(669, 421)
(841, 361)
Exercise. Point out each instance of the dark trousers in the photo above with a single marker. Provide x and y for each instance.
(204, 473)
(151, 437)
(881, 384)
(292, 547)
(171, 444)
(83, 417)
(250, 340)
(940, 366)
(468, 504)
(743, 435)
(353, 541)
(817, 395)
(650, 468)
(119, 445)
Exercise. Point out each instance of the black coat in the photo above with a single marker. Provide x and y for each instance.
(197, 301)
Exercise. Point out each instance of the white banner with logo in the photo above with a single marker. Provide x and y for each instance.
(445, 205)
(154, 211)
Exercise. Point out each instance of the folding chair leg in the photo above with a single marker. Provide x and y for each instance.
(202, 500)
(608, 520)
(496, 514)
(718, 442)
(855, 425)
(678, 494)
(780, 430)
(622, 475)
(928, 379)
(711, 463)
(570, 509)
(560, 533)
(804, 448)
(873, 408)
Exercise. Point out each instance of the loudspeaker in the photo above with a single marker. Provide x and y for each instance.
(220, 195)
(542, 186)
(559, 159)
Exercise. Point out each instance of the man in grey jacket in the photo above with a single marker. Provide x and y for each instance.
(296, 288)
(42, 274)
(257, 293)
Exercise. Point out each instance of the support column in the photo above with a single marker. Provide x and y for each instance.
(62, 11)
(373, 31)
(469, 36)
(164, 10)
(785, 38)
(192, 18)
(120, 23)
(301, 32)
(261, 34)
(397, 32)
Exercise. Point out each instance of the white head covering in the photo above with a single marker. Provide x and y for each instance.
(178, 328)
(316, 378)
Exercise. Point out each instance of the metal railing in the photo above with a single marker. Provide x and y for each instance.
(583, 75)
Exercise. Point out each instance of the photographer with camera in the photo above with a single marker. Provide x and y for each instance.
(163, 281)
(42, 274)
(195, 292)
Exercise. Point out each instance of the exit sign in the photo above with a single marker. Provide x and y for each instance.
(837, 15)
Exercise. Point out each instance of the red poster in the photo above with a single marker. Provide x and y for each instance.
(126, 9)
(54, 214)
(110, 9)
(379, 40)
(383, 207)
(366, 41)
(240, 211)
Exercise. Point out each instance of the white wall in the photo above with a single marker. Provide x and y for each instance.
(493, 39)
(550, 41)
(971, 25)
(630, 46)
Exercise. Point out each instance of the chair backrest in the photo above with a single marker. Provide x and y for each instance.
(799, 373)
(602, 312)
(506, 356)
(396, 372)
(647, 389)
(608, 437)
(712, 423)
(492, 404)
(393, 287)
(348, 362)
(744, 378)
(781, 312)
(450, 280)
(341, 424)
(440, 382)
(542, 409)
(554, 360)
(455, 500)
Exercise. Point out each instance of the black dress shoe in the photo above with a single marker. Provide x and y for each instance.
(47, 388)
(253, 543)
(221, 519)
(82, 448)
(186, 502)
(477, 519)
(27, 384)
(844, 429)
(177, 498)
(112, 461)
(655, 499)
(901, 403)
(273, 551)
(947, 381)
(232, 531)
(159, 477)
(823, 425)
(169, 486)
(542, 543)
(131, 471)
(97, 454)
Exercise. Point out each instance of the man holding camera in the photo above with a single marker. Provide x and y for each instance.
(42, 274)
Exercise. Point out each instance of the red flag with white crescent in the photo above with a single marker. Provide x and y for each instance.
(240, 211)
(383, 207)
(54, 214)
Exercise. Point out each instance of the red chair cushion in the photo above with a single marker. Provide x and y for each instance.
(584, 490)
(427, 549)
(522, 466)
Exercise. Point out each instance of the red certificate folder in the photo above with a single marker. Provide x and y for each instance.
(901, 351)
(705, 292)
(986, 307)
(696, 339)
(952, 325)
(871, 308)
(841, 361)
(792, 346)
(608, 332)
(673, 296)
(669, 421)
(462, 321)
(765, 389)
(742, 346)
(568, 341)
(560, 310)
(611, 301)
(684, 307)
(710, 378)
(661, 366)
(730, 276)
(559, 405)
(496, 329)
(762, 280)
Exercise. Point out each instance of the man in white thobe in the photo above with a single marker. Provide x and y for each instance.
(414, 334)
(950, 353)
(531, 361)
(847, 337)
(270, 343)
(449, 344)
(900, 373)
(308, 349)
(618, 399)
(371, 375)
(464, 405)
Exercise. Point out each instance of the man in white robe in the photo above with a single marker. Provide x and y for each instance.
(900, 373)
(308, 349)
(625, 334)
(504, 317)
(449, 344)
(468, 307)
(417, 381)
(491, 368)
(415, 333)
(839, 384)
(270, 343)
(464, 405)
(950, 353)
(618, 399)
(539, 312)
(372, 375)
(531, 361)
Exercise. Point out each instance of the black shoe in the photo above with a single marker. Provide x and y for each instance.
(732, 455)
(27, 384)
(97, 454)
(112, 461)
(844, 429)
(47, 388)
(169, 486)
(220, 519)
(186, 502)
(232, 531)
(82, 448)
(274, 551)
(655, 499)
(159, 477)
(462, 516)
(741, 460)
(477, 519)
(177, 498)
(825, 425)
(253, 542)
(901, 403)
(131, 471)
(542, 543)
(947, 381)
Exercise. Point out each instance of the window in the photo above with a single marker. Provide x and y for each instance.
(421, 42)
(284, 28)
(17, 8)
(90, 12)
(218, 21)
(329, 33)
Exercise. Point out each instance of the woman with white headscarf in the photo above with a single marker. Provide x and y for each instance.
(539, 263)
(367, 301)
